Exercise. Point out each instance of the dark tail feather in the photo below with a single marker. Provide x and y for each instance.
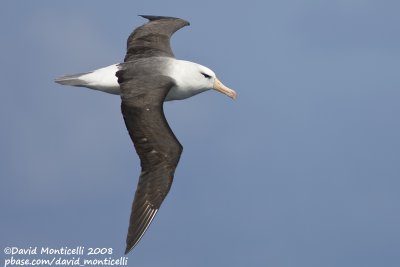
(73, 80)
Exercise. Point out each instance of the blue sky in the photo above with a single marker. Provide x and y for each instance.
(301, 170)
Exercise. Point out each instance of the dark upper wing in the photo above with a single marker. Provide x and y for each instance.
(158, 149)
(153, 38)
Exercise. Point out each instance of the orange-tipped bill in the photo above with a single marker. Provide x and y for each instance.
(223, 89)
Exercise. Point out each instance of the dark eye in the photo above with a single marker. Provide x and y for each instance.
(206, 75)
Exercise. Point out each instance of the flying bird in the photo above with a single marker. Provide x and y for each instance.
(150, 75)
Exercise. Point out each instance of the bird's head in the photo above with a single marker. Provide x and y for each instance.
(208, 79)
(193, 78)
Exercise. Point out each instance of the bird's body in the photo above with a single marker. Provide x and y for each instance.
(149, 76)
(105, 79)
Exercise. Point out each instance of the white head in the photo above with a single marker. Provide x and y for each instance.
(192, 79)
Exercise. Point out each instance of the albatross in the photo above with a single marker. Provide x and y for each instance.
(150, 75)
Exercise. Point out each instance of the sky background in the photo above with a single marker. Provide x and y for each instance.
(303, 169)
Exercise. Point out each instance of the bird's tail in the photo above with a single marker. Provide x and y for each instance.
(103, 79)
(73, 80)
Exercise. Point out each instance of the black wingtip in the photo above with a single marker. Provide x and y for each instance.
(130, 246)
(153, 18)
(127, 250)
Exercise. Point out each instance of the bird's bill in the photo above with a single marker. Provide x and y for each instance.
(223, 89)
